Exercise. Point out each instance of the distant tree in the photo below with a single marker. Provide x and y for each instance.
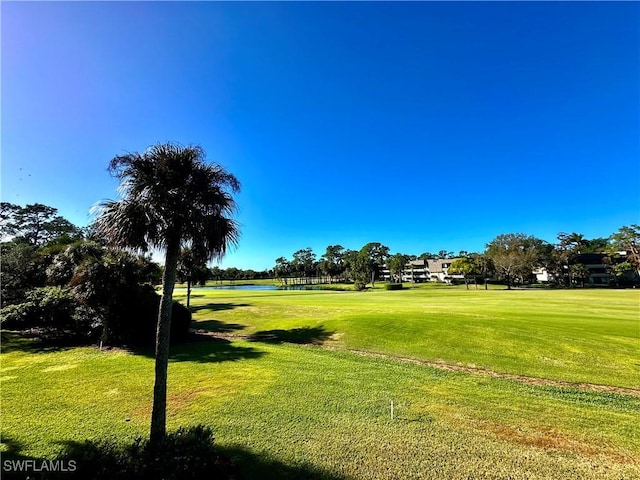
(579, 273)
(232, 273)
(35, 224)
(514, 255)
(282, 269)
(621, 269)
(427, 256)
(7, 224)
(376, 255)
(304, 262)
(171, 199)
(558, 258)
(357, 267)
(332, 262)
(627, 239)
(191, 268)
(483, 265)
(396, 264)
(444, 255)
(594, 245)
(464, 266)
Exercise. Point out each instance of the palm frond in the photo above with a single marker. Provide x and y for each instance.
(170, 191)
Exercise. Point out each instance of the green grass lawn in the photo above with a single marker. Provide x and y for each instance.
(290, 409)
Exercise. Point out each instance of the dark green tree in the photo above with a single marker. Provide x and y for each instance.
(282, 269)
(396, 264)
(357, 267)
(171, 199)
(191, 269)
(304, 262)
(627, 240)
(376, 255)
(332, 262)
(35, 224)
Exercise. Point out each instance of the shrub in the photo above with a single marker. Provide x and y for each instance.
(393, 286)
(134, 317)
(16, 316)
(188, 453)
(359, 285)
(52, 307)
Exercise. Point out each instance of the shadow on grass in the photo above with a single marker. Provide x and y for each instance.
(303, 335)
(216, 326)
(204, 348)
(217, 307)
(41, 341)
(222, 463)
(251, 466)
(12, 449)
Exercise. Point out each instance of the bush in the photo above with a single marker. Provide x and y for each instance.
(130, 316)
(188, 453)
(52, 307)
(134, 317)
(393, 286)
(359, 285)
(16, 316)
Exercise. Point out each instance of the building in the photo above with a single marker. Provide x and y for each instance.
(439, 270)
(420, 271)
(599, 266)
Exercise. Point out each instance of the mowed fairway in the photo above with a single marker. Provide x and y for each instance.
(299, 384)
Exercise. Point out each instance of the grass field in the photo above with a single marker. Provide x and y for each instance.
(299, 384)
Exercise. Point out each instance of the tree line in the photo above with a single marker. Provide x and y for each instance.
(510, 258)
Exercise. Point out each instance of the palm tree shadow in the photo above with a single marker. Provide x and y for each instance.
(217, 307)
(41, 340)
(204, 348)
(225, 463)
(251, 466)
(216, 326)
(303, 336)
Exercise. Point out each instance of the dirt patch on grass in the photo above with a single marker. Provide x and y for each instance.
(550, 439)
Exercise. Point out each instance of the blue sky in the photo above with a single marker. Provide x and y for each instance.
(421, 125)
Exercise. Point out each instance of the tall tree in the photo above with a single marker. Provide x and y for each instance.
(171, 198)
(35, 224)
(304, 261)
(483, 265)
(332, 262)
(282, 269)
(191, 268)
(396, 264)
(514, 255)
(464, 266)
(627, 239)
(357, 267)
(376, 255)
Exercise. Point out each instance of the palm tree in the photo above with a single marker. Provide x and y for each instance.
(170, 199)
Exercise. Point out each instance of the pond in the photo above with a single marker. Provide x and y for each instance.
(237, 287)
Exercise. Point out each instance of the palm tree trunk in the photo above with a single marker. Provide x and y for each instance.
(159, 411)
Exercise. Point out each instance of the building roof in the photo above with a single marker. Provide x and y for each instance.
(436, 266)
